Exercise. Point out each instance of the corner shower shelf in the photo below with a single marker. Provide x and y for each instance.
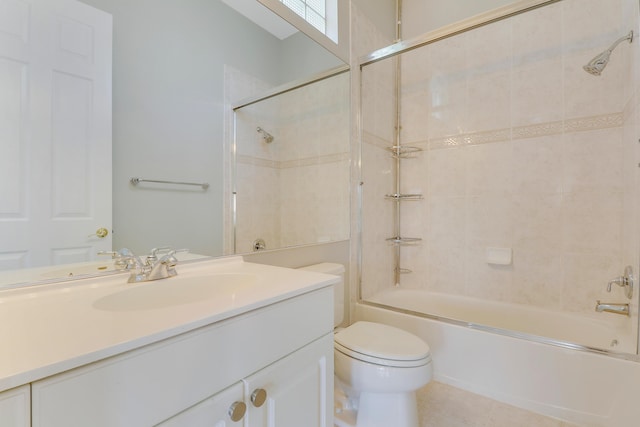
(404, 240)
(399, 197)
(400, 152)
(403, 151)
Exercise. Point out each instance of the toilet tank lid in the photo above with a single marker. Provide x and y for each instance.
(326, 268)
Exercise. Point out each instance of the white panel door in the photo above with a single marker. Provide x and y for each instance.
(55, 132)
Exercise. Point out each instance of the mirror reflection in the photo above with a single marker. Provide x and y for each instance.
(291, 166)
(156, 105)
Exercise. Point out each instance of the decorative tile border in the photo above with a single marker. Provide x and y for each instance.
(471, 139)
(309, 161)
(256, 161)
(581, 124)
(538, 130)
(605, 121)
(592, 123)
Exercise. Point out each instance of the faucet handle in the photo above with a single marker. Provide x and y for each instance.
(170, 258)
(154, 251)
(620, 281)
(124, 258)
(152, 258)
(625, 281)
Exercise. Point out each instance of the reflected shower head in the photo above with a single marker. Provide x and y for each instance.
(600, 61)
(268, 138)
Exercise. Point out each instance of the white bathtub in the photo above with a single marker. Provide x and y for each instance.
(606, 331)
(580, 387)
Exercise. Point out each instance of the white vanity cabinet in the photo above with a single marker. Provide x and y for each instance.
(226, 408)
(291, 392)
(285, 348)
(15, 408)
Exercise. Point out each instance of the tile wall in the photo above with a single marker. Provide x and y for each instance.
(522, 150)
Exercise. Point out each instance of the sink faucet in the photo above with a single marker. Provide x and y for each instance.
(163, 267)
(124, 259)
(155, 268)
(612, 308)
(151, 269)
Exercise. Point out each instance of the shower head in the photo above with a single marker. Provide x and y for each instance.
(268, 138)
(597, 64)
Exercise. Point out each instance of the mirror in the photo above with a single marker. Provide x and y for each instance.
(177, 69)
(291, 166)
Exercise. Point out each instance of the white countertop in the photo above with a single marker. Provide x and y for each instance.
(48, 329)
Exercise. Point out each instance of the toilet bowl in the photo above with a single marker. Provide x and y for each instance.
(377, 369)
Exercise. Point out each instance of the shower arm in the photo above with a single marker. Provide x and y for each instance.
(620, 40)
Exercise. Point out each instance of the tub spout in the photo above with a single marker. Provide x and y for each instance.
(612, 308)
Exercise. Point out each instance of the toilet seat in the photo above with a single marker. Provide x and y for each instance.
(382, 345)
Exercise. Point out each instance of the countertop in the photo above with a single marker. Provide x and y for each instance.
(48, 329)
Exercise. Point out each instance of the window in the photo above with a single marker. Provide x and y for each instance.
(322, 14)
(313, 11)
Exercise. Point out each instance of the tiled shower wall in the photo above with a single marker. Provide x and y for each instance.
(523, 150)
(291, 191)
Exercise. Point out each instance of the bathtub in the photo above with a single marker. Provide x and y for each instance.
(537, 369)
(600, 331)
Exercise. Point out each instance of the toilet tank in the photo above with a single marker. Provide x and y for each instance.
(338, 290)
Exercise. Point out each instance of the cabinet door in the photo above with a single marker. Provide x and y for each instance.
(216, 411)
(294, 391)
(15, 407)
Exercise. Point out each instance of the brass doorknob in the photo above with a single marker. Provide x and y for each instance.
(100, 233)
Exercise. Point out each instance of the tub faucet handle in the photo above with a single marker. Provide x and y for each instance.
(617, 281)
(625, 281)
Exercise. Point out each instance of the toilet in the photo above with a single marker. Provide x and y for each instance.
(378, 368)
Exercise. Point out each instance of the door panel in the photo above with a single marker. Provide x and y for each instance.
(55, 131)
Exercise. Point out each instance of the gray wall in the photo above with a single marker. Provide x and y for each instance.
(298, 59)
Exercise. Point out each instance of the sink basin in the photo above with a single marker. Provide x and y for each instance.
(177, 291)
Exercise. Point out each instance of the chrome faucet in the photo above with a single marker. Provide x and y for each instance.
(163, 267)
(154, 268)
(612, 308)
(124, 259)
(151, 269)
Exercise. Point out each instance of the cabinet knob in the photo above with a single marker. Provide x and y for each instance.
(237, 411)
(258, 397)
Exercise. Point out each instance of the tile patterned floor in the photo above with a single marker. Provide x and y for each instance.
(441, 405)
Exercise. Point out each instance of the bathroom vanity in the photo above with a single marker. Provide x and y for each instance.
(253, 347)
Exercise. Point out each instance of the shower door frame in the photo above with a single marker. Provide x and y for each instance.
(401, 47)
